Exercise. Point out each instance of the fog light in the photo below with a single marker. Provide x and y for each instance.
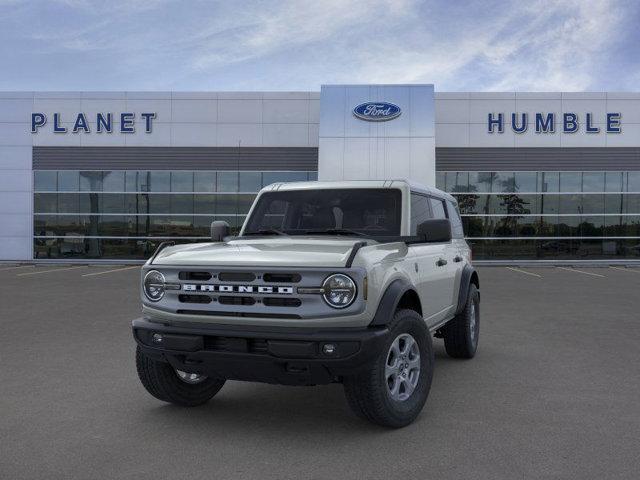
(328, 348)
(157, 338)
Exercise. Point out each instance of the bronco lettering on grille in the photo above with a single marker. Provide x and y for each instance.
(190, 287)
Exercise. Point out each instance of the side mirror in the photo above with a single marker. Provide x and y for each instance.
(435, 230)
(219, 230)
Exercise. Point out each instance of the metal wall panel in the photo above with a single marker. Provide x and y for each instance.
(175, 158)
(549, 159)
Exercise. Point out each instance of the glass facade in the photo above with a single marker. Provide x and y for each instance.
(126, 214)
(548, 215)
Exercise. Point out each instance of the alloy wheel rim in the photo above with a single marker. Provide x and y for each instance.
(190, 378)
(402, 367)
(473, 322)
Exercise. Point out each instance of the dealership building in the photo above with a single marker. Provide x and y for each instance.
(110, 175)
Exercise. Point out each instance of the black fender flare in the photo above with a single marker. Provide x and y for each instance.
(468, 273)
(389, 302)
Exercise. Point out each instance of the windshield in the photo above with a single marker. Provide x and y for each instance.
(359, 211)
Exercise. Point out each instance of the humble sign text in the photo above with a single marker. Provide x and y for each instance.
(551, 122)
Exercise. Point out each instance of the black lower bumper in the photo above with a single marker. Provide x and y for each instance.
(290, 356)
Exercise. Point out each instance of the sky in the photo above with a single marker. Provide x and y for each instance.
(284, 45)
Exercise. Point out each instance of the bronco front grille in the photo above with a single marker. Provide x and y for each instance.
(266, 293)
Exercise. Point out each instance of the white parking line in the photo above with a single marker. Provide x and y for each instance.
(110, 271)
(15, 268)
(522, 271)
(632, 270)
(581, 271)
(49, 271)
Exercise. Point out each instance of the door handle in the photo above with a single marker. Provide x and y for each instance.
(441, 262)
(457, 258)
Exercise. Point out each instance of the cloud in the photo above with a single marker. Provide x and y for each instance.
(299, 44)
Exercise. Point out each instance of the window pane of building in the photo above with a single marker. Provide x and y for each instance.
(250, 181)
(113, 181)
(204, 204)
(181, 203)
(613, 182)
(227, 182)
(548, 182)
(159, 181)
(571, 203)
(593, 182)
(182, 181)
(592, 203)
(571, 181)
(91, 181)
(633, 182)
(45, 181)
(480, 181)
(68, 181)
(457, 181)
(112, 203)
(526, 182)
(204, 181)
(614, 203)
(504, 182)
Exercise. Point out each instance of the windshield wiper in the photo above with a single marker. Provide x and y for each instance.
(266, 231)
(335, 231)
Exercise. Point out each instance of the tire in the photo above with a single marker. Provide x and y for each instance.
(461, 334)
(369, 394)
(163, 382)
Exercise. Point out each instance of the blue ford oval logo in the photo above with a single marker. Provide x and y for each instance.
(377, 111)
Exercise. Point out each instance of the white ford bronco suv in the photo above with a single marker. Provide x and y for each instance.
(326, 282)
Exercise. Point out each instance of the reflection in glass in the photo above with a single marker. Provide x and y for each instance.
(227, 181)
(91, 181)
(526, 182)
(549, 182)
(571, 181)
(113, 181)
(45, 181)
(68, 181)
(457, 181)
(182, 181)
(633, 182)
(159, 181)
(204, 181)
(250, 181)
(503, 182)
(593, 181)
(613, 182)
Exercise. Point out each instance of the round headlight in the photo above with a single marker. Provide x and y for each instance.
(339, 291)
(153, 285)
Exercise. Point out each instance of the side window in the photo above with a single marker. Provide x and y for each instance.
(437, 207)
(420, 211)
(456, 222)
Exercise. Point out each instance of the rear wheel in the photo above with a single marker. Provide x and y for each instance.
(175, 386)
(461, 334)
(392, 390)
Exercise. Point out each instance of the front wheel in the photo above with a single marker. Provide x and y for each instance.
(175, 386)
(392, 390)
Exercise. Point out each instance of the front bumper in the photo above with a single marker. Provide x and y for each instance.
(288, 356)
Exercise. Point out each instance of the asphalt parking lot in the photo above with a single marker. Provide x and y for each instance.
(554, 392)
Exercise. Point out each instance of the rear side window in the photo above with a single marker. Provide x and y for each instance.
(456, 222)
(437, 208)
(420, 211)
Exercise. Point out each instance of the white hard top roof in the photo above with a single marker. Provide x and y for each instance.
(395, 183)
